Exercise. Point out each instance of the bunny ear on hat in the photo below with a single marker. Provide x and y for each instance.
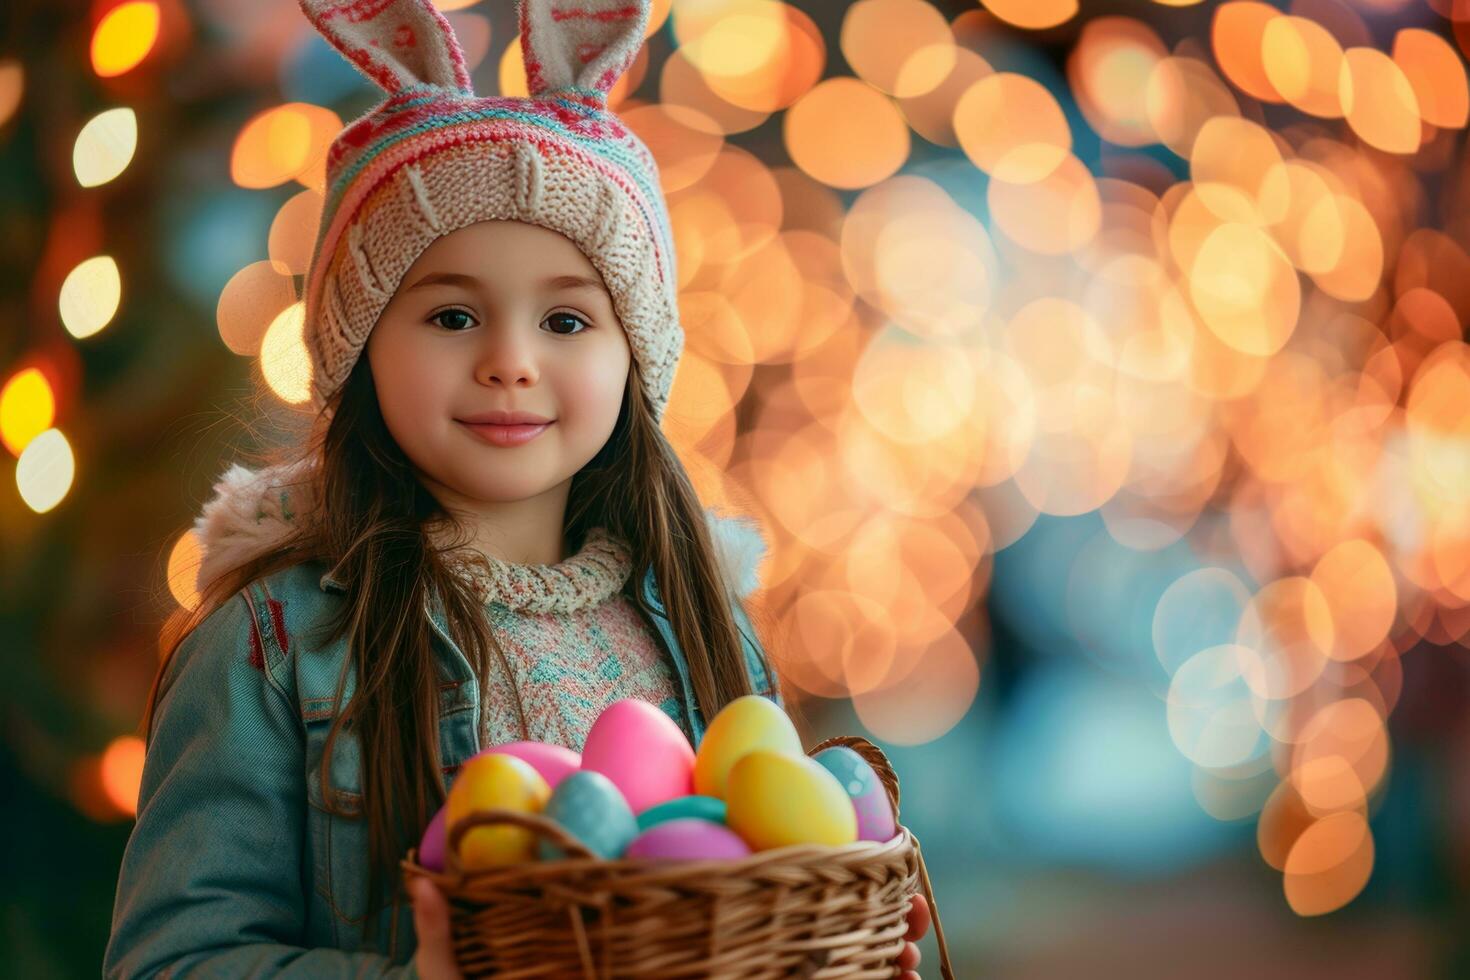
(396, 43)
(581, 44)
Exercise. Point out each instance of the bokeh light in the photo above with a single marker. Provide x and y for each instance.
(27, 408)
(90, 296)
(124, 37)
(105, 146)
(45, 471)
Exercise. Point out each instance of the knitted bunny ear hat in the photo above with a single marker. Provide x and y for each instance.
(433, 157)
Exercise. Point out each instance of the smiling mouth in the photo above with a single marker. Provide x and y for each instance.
(506, 435)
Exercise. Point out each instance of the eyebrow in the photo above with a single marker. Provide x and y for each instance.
(470, 282)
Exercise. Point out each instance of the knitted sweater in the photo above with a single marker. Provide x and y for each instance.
(573, 644)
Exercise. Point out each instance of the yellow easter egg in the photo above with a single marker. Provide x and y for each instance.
(774, 799)
(745, 724)
(494, 781)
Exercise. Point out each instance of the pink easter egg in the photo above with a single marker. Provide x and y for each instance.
(643, 751)
(431, 847)
(553, 762)
(688, 839)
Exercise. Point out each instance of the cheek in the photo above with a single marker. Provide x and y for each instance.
(409, 382)
(595, 391)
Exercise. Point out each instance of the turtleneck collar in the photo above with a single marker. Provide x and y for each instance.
(596, 572)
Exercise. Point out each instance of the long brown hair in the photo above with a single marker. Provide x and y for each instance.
(372, 526)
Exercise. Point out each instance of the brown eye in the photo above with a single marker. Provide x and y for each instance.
(567, 316)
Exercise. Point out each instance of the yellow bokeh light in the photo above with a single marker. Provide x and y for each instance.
(287, 142)
(184, 559)
(122, 772)
(1053, 216)
(1355, 274)
(1012, 128)
(1245, 289)
(45, 471)
(293, 232)
(1329, 864)
(903, 47)
(90, 296)
(932, 114)
(1109, 70)
(284, 360)
(124, 37)
(1236, 166)
(105, 146)
(1302, 61)
(1182, 96)
(249, 303)
(933, 271)
(1360, 590)
(512, 71)
(784, 68)
(1236, 37)
(846, 134)
(682, 84)
(1033, 15)
(1311, 231)
(1436, 421)
(912, 392)
(737, 38)
(1378, 101)
(27, 408)
(1435, 73)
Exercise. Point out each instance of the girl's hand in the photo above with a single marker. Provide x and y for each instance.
(918, 925)
(434, 958)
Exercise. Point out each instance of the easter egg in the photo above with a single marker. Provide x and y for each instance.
(431, 845)
(492, 781)
(747, 723)
(553, 762)
(642, 750)
(869, 798)
(774, 799)
(592, 810)
(688, 839)
(704, 807)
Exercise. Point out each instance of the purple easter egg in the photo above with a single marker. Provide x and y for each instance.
(688, 839)
(431, 847)
(869, 799)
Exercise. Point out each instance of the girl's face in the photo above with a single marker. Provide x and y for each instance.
(491, 317)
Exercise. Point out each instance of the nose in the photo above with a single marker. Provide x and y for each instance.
(507, 357)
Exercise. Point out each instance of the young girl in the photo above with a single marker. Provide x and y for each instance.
(484, 535)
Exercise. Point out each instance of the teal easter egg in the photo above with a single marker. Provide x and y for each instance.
(704, 807)
(869, 798)
(592, 809)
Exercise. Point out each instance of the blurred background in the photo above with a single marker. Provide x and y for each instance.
(1096, 371)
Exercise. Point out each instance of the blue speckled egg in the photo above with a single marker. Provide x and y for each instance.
(705, 807)
(869, 798)
(592, 809)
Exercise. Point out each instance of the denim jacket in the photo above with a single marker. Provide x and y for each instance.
(234, 868)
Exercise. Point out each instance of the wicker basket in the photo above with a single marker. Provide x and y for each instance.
(799, 911)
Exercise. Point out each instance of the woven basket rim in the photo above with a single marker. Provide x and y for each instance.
(791, 857)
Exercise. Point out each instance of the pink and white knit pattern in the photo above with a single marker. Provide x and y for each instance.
(573, 644)
(433, 158)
